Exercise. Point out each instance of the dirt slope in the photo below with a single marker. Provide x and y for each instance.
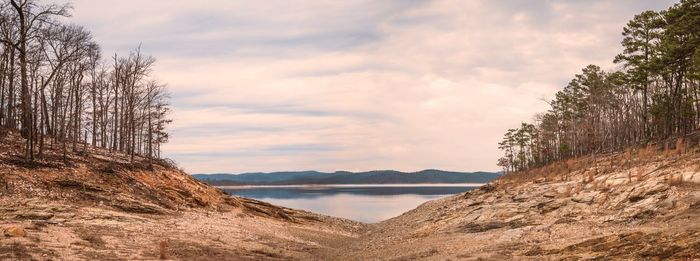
(97, 205)
(618, 206)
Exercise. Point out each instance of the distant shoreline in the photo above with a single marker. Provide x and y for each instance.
(476, 185)
(377, 178)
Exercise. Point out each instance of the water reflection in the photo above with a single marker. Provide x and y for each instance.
(357, 202)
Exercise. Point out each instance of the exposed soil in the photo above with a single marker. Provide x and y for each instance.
(95, 233)
(611, 207)
(97, 205)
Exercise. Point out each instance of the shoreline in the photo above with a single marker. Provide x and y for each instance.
(471, 185)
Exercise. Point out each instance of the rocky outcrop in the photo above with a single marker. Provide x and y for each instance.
(637, 210)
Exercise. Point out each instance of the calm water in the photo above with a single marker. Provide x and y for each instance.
(366, 203)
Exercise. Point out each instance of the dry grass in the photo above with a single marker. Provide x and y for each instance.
(597, 164)
(104, 176)
(628, 157)
(641, 154)
(640, 174)
(629, 177)
(680, 146)
(651, 151)
(570, 164)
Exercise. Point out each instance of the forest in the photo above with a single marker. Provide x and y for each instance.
(654, 94)
(57, 89)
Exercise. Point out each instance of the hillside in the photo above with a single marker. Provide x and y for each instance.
(97, 205)
(642, 204)
(346, 177)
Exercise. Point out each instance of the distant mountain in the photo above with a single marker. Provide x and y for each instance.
(346, 177)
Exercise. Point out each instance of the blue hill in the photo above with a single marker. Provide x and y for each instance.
(346, 177)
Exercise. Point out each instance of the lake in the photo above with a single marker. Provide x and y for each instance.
(365, 203)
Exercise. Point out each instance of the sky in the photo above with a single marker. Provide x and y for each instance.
(283, 85)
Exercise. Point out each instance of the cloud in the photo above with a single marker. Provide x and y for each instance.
(357, 85)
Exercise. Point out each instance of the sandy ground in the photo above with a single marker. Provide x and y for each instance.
(98, 205)
(607, 208)
(412, 237)
(437, 230)
(63, 231)
(103, 206)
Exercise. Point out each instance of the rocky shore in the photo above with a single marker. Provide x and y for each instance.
(99, 205)
(102, 206)
(611, 207)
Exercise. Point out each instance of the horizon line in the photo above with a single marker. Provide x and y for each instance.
(331, 172)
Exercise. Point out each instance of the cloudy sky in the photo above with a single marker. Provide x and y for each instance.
(357, 84)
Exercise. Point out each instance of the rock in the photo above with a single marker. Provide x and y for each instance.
(474, 203)
(15, 232)
(615, 181)
(668, 203)
(481, 227)
(515, 218)
(692, 177)
(695, 205)
(659, 187)
(505, 210)
(565, 220)
(535, 251)
(490, 200)
(485, 226)
(549, 194)
(640, 193)
(510, 235)
(609, 218)
(585, 197)
(562, 189)
(521, 197)
(284, 216)
(644, 214)
(7, 209)
(607, 244)
(643, 209)
(34, 215)
(133, 206)
(550, 205)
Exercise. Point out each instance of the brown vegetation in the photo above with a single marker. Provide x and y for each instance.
(676, 149)
(101, 205)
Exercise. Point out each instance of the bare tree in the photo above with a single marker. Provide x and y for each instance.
(67, 93)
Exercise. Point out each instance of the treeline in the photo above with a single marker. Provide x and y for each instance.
(655, 95)
(56, 86)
